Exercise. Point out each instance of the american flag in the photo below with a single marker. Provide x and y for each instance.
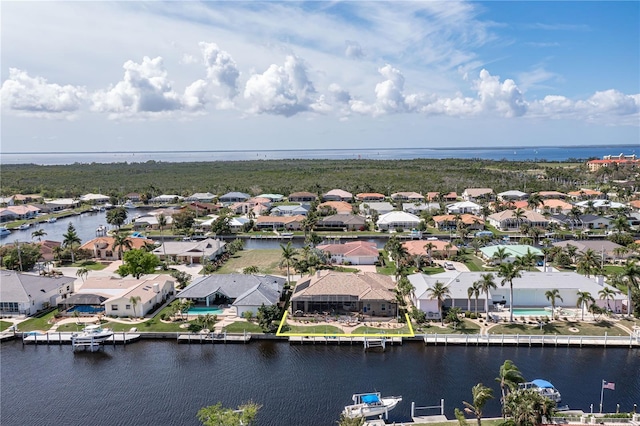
(608, 385)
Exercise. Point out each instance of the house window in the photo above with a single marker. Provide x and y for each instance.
(67, 288)
(383, 307)
(127, 307)
(114, 307)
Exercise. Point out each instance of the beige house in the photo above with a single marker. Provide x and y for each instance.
(103, 248)
(342, 292)
(507, 221)
(190, 252)
(290, 223)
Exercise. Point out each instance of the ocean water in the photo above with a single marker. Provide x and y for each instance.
(560, 153)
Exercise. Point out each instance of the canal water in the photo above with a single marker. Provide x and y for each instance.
(163, 382)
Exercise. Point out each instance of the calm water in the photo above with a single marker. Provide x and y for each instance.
(162, 382)
(554, 153)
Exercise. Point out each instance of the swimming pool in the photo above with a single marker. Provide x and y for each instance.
(203, 310)
(86, 309)
(531, 312)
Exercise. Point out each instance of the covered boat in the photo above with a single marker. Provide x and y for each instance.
(544, 388)
(371, 404)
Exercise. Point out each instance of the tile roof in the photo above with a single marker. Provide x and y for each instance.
(352, 248)
(364, 286)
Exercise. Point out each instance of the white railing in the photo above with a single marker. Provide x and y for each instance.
(531, 340)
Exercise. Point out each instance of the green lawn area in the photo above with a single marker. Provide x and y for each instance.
(374, 330)
(610, 269)
(466, 327)
(33, 324)
(90, 265)
(429, 270)
(475, 264)
(314, 329)
(630, 323)
(5, 324)
(267, 262)
(560, 327)
(242, 326)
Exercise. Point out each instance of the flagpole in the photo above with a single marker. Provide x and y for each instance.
(601, 395)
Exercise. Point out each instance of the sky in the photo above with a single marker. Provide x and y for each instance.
(233, 75)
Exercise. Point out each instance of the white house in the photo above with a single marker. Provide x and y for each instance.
(513, 195)
(26, 294)
(464, 207)
(147, 292)
(398, 219)
(94, 198)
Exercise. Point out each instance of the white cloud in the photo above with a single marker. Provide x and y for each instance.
(504, 98)
(283, 90)
(222, 70)
(144, 91)
(353, 50)
(34, 96)
(188, 59)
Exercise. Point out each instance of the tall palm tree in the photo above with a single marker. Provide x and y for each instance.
(121, 242)
(38, 234)
(134, 300)
(551, 296)
(82, 273)
(429, 248)
(474, 291)
(162, 222)
(439, 292)
(71, 240)
(607, 294)
(588, 263)
(500, 254)
(288, 257)
(534, 201)
(481, 394)
(571, 251)
(584, 298)
(509, 272)
(509, 377)
(487, 283)
(631, 276)
(518, 215)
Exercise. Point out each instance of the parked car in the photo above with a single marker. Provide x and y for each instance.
(449, 265)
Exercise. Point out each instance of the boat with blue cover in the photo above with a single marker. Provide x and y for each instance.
(371, 404)
(544, 388)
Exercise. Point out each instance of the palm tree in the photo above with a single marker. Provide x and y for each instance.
(588, 263)
(584, 298)
(134, 302)
(508, 272)
(571, 251)
(38, 234)
(82, 273)
(429, 248)
(631, 276)
(486, 283)
(607, 294)
(500, 254)
(440, 292)
(534, 201)
(70, 240)
(481, 394)
(551, 296)
(288, 258)
(472, 291)
(509, 377)
(121, 242)
(162, 222)
(518, 215)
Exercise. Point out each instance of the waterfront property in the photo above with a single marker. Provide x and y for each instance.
(528, 291)
(190, 252)
(398, 219)
(103, 247)
(434, 248)
(341, 292)
(353, 252)
(244, 292)
(512, 251)
(26, 294)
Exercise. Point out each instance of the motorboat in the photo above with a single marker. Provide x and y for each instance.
(52, 219)
(92, 334)
(129, 205)
(4, 231)
(24, 226)
(544, 388)
(371, 404)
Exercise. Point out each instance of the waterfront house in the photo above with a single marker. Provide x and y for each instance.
(274, 198)
(302, 197)
(407, 196)
(166, 198)
(367, 293)
(7, 215)
(26, 294)
(464, 207)
(150, 220)
(244, 292)
(398, 219)
(381, 207)
(583, 222)
(528, 291)
(417, 208)
(446, 197)
(233, 197)
(190, 252)
(24, 211)
(94, 198)
(507, 221)
(449, 222)
(513, 195)
(113, 296)
(513, 251)
(342, 221)
(134, 197)
(353, 252)
(103, 248)
(370, 196)
(437, 248)
(289, 223)
(61, 204)
(203, 197)
(288, 210)
(478, 194)
(599, 205)
(7, 201)
(335, 206)
(338, 195)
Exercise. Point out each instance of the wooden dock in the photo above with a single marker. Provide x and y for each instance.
(531, 340)
(65, 338)
(213, 338)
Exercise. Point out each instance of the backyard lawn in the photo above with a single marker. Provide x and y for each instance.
(374, 330)
(465, 327)
(562, 328)
(242, 326)
(4, 325)
(33, 324)
(267, 262)
(313, 329)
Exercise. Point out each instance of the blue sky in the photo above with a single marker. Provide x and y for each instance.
(96, 76)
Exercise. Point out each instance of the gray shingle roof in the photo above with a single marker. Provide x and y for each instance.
(16, 287)
(233, 286)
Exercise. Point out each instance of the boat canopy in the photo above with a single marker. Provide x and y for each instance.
(542, 384)
(370, 399)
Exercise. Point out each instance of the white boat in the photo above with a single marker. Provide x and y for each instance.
(4, 231)
(371, 404)
(52, 220)
(24, 226)
(129, 205)
(544, 388)
(92, 335)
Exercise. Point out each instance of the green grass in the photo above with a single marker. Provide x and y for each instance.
(375, 330)
(314, 329)
(267, 262)
(560, 327)
(90, 265)
(610, 269)
(630, 323)
(466, 327)
(430, 270)
(474, 264)
(33, 324)
(5, 324)
(242, 326)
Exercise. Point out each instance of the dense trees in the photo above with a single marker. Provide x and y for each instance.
(19, 256)
(138, 263)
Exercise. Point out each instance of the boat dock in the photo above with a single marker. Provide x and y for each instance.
(65, 338)
(213, 338)
(531, 340)
(345, 340)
